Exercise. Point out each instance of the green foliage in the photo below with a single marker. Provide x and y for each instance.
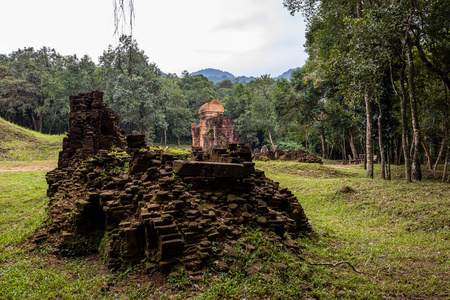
(198, 90)
(133, 86)
(174, 151)
(178, 117)
(262, 108)
(357, 54)
(367, 51)
(290, 146)
(35, 86)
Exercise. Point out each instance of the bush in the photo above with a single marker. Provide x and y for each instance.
(290, 146)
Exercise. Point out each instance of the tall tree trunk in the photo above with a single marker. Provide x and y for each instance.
(369, 137)
(353, 148)
(271, 140)
(444, 174)
(142, 128)
(396, 156)
(380, 141)
(165, 137)
(178, 140)
(388, 169)
(35, 125)
(427, 153)
(441, 149)
(344, 153)
(41, 117)
(405, 131)
(51, 125)
(364, 150)
(416, 169)
(330, 154)
(359, 9)
(322, 139)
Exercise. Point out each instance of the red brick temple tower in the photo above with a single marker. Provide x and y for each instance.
(214, 130)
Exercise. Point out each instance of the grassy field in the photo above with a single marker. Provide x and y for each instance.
(21, 144)
(372, 239)
(397, 234)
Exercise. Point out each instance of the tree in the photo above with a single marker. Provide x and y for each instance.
(133, 86)
(353, 42)
(30, 71)
(176, 110)
(15, 96)
(73, 76)
(263, 116)
(237, 106)
(197, 89)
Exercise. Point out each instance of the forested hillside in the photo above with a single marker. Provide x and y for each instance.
(375, 88)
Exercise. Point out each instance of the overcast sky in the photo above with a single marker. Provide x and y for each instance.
(244, 37)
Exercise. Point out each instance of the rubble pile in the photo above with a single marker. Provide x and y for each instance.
(138, 205)
(296, 155)
(232, 153)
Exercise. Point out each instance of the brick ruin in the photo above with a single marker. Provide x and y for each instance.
(214, 130)
(303, 156)
(114, 195)
(92, 127)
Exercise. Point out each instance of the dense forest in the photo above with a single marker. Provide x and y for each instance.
(375, 88)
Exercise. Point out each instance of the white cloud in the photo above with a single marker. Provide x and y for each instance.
(245, 37)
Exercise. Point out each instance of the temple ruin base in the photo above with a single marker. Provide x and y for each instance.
(134, 205)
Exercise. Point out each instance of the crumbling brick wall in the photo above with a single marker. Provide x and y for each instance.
(142, 205)
(92, 126)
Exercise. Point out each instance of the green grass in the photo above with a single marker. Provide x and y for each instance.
(173, 146)
(28, 273)
(21, 144)
(396, 234)
(22, 207)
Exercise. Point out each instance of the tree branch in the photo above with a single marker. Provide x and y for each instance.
(336, 264)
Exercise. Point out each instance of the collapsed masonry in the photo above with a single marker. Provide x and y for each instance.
(92, 127)
(136, 205)
(303, 156)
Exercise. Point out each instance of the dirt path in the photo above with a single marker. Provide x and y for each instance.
(20, 166)
(339, 166)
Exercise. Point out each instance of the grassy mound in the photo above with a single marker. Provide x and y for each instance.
(395, 234)
(21, 144)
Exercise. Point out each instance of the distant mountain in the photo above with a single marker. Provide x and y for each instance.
(216, 75)
(245, 79)
(286, 74)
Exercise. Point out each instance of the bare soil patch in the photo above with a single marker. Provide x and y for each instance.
(20, 166)
(342, 166)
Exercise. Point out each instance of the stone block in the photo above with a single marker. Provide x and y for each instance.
(210, 169)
